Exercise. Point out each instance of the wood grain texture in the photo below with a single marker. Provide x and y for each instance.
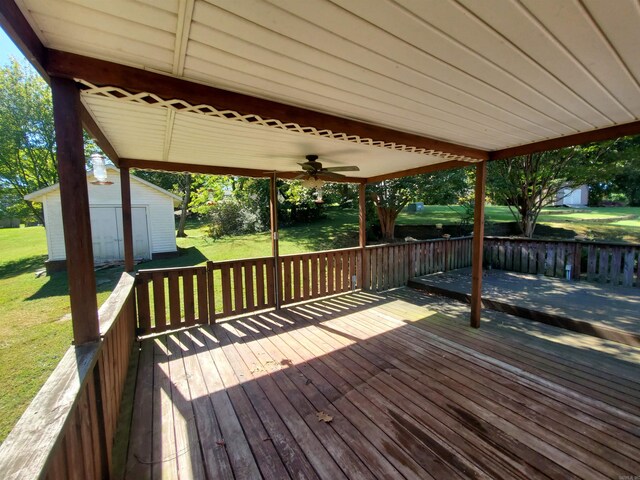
(413, 394)
(478, 238)
(74, 199)
(127, 228)
(69, 426)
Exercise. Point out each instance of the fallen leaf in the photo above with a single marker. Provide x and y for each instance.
(221, 443)
(323, 417)
(307, 381)
(286, 361)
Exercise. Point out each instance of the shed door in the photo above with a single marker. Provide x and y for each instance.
(140, 232)
(106, 230)
(104, 233)
(571, 197)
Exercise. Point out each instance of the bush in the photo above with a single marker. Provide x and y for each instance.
(230, 217)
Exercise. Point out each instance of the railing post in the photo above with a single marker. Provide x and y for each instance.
(74, 198)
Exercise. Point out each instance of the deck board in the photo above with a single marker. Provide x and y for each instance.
(413, 392)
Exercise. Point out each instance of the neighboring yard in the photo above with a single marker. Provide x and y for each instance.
(35, 329)
(602, 223)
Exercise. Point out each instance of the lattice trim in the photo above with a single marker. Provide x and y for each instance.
(178, 105)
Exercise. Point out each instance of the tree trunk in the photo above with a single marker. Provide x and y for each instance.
(185, 204)
(387, 217)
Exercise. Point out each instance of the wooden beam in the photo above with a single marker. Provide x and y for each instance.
(18, 29)
(218, 170)
(600, 135)
(100, 72)
(435, 167)
(74, 197)
(127, 227)
(362, 211)
(275, 249)
(94, 131)
(478, 244)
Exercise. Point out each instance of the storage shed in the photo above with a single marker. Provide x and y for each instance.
(152, 211)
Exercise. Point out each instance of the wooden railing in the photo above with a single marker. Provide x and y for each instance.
(67, 431)
(174, 298)
(245, 286)
(180, 298)
(390, 266)
(614, 264)
(312, 275)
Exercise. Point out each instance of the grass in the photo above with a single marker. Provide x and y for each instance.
(602, 223)
(35, 329)
(338, 230)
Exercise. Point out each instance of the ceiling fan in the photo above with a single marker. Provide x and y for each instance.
(313, 174)
(312, 168)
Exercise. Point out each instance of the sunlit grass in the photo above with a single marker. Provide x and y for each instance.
(35, 329)
(598, 223)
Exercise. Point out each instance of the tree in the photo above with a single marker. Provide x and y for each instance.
(186, 182)
(627, 177)
(391, 196)
(528, 183)
(179, 183)
(27, 135)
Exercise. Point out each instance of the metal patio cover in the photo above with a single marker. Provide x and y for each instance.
(388, 85)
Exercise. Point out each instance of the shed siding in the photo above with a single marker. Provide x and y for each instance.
(159, 207)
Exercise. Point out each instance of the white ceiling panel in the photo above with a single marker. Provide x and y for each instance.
(489, 74)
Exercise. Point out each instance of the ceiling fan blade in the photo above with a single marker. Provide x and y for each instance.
(307, 166)
(351, 168)
(330, 175)
(302, 175)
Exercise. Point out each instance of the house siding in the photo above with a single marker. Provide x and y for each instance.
(160, 214)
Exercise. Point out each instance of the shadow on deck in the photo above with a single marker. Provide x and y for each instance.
(407, 392)
(603, 311)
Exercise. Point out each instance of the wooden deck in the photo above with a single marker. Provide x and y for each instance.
(600, 310)
(411, 393)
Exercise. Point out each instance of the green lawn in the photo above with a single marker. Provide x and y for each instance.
(35, 329)
(602, 223)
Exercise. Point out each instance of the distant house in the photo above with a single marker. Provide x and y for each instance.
(152, 211)
(573, 197)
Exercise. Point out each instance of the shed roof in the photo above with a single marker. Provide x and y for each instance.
(385, 85)
(38, 195)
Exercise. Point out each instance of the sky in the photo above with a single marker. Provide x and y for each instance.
(7, 49)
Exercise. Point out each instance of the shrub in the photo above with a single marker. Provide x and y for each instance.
(230, 217)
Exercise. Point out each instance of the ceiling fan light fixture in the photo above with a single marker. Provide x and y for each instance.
(312, 182)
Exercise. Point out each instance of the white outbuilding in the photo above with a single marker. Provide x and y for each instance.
(152, 216)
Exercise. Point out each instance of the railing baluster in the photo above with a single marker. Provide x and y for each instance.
(142, 294)
(159, 308)
(174, 298)
(188, 298)
(203, 304)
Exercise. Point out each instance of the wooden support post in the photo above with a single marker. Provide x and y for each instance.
(273, 207)
(127, 228)
(74, 197)
(362, 203)
(478, 244)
